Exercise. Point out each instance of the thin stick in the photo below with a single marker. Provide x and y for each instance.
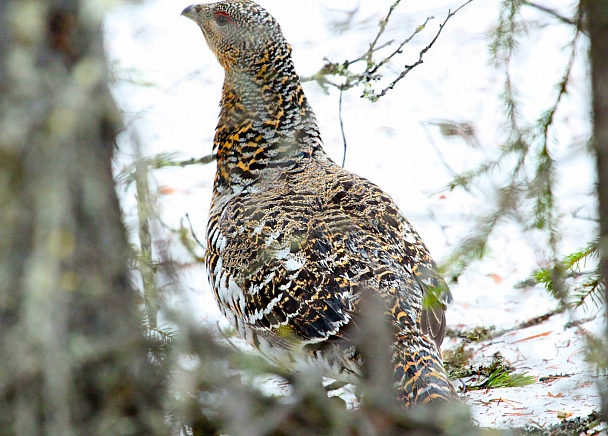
(342, 127)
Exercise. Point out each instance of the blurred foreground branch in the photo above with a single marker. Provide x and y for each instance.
(73, 358)
(225, 394)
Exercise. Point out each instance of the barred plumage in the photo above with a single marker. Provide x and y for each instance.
(293, 238)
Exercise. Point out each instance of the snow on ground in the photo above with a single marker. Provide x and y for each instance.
(168, 84)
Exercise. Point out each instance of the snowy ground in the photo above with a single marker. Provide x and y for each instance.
(169, 86)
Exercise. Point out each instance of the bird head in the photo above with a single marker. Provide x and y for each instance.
(241, 34)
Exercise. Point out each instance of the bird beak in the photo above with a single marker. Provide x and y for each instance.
(190, 12)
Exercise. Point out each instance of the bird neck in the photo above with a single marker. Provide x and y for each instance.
(265, 122)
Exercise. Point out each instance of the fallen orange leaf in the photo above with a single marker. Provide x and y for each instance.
(534, 336)
(497, 279)
(165, 190)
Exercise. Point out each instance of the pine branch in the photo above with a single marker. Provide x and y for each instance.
(526, 155)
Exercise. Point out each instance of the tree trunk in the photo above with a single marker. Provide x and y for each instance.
(597, 21)
(73, 359)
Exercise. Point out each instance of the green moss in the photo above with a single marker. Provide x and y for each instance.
(477, 334)
(497, 374)
(457, 361)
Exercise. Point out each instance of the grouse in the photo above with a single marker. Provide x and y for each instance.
(293, 239)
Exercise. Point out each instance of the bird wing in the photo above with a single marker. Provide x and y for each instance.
(378, 216)
(298, 264)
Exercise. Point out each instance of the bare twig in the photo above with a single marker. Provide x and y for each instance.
(491, 333)
(372, 69)
(409, 68)
(552, 12)
(382, 25)
(438, 152)
(399, 49)
(342, 127)
(194, 234)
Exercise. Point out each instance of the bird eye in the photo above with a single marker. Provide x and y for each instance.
(222, 18)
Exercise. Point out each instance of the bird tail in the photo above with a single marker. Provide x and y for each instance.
(420, 376)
